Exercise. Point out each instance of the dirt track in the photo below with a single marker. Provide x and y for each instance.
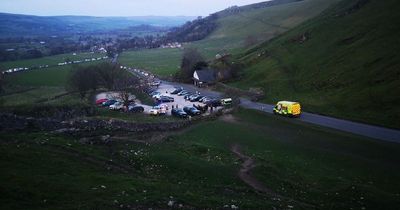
(244, 173)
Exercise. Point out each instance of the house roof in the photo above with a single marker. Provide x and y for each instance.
(206, 75)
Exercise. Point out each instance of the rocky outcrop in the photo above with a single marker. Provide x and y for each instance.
(14, 122)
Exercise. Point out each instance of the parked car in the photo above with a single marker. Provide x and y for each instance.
(176, 91)
(204, 99)
(202, 109)
(157, 110)
(179, 113)
(157, 96)
(101, 101)
(192, 111)
(214, 103)
(155, 83)
(154, 93)
(188, 95)
(109, 102)
(164, 106)
(135, 108)
(183, 93)
(166, 99)
(195, 98)
(116, 106)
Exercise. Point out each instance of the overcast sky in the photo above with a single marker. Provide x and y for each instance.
(119, 7)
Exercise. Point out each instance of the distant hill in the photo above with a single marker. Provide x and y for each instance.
(29, 25)
(344, 62)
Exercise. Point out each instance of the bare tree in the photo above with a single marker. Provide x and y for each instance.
(83, 79)
(191, 58)
(109, 73)
(124, 86)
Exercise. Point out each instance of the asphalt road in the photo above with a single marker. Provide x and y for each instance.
(376, 132)
(371, 131)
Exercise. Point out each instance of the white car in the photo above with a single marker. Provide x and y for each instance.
(164, 106)
(157, 96)
(116, 106)
(157, 110)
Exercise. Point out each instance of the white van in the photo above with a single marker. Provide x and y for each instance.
(226, 101)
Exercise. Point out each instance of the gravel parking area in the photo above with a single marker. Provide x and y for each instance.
(165, 89)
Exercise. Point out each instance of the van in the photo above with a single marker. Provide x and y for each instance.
(288, 108)
(226, 101)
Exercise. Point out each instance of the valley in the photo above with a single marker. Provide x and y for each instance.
(179, 112)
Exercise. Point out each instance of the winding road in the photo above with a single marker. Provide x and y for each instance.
(375, 132)
(371, 131)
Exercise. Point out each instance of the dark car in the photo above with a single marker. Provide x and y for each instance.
(136, 109)
(166, 99)
(195, 98)
(187, 96)
(192, 111)
(202, 109)
(205, 100)
(109, 102)
(176, 91)
(179, 113)
(183, 92)
(154, 93)
(202, 99)
(214, 103)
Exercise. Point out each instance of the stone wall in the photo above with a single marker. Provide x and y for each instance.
(14, 122)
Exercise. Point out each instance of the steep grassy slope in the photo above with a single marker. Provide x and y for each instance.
(235, 32)
(344, 63)
(258, 25)
(195, 168)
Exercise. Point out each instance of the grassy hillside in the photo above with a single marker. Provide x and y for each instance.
(258, 24)
(235, 32)
(343, 63)
(195, 168)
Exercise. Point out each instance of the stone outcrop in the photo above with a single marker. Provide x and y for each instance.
(14, 122)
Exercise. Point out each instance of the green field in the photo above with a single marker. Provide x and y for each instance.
(195, 168)
(230, 36)
(163, 62)
(39, 90)
(48, 60)
(347, 67)
(31, 96)
(52, 76)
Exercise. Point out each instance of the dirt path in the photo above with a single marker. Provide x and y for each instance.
(244, 173)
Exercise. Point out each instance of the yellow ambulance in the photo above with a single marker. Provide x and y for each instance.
(288, 108)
